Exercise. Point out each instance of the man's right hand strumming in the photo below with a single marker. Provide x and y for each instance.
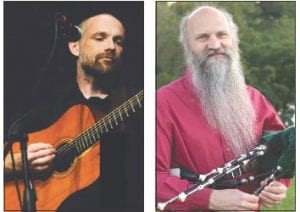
(40, 156)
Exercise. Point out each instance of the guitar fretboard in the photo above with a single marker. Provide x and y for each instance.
(109, 122)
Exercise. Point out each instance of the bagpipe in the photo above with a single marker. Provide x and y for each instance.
(272, 159)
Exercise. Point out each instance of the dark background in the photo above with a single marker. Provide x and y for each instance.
(28, 40)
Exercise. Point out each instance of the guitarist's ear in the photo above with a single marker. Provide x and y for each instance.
(74, 48)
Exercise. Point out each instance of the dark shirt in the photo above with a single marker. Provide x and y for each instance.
(120, 186)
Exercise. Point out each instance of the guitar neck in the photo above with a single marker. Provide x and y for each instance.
(109, 122)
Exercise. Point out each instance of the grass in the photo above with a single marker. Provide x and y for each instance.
(289, 204)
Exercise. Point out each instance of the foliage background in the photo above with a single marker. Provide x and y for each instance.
(267, 46)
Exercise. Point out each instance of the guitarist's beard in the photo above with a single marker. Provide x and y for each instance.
(104, 80)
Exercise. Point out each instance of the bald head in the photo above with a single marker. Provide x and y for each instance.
(103, 18)
(204, 10)
(208, 24)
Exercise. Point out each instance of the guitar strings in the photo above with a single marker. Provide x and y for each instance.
(81, 138)
(136, 100)
(100, 124)
(122, 109)
(86, 135)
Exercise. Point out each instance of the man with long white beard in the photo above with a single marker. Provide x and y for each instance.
(210, 116)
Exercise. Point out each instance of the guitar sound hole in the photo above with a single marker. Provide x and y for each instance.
(65, 155)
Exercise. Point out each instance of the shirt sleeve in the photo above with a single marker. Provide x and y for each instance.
(170, 186)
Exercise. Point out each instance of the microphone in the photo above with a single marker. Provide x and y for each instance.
(70, 31)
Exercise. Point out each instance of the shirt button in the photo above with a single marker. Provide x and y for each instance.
(227, 149)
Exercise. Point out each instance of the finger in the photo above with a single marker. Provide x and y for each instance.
(276, 187)
(42, 161)
(266, 201)
(271, 198)
(38, 146)
(276, 190)
(40, 153)
(276, 182)
(41, 167)
(266, 204)
(269, 203)
(275, 193)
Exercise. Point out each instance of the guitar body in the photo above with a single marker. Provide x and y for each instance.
(85, 169)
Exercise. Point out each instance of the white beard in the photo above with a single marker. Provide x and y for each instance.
(220, 86)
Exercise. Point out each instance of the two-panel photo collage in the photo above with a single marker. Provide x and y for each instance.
(149, 106)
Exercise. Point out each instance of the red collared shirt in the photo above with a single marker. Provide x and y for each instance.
(184, 139)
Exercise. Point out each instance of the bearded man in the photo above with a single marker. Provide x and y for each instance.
(210, 116)
(94, 94)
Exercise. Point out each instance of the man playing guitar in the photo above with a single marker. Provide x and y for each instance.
(96, 93)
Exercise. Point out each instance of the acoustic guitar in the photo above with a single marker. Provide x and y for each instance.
(75, 138)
